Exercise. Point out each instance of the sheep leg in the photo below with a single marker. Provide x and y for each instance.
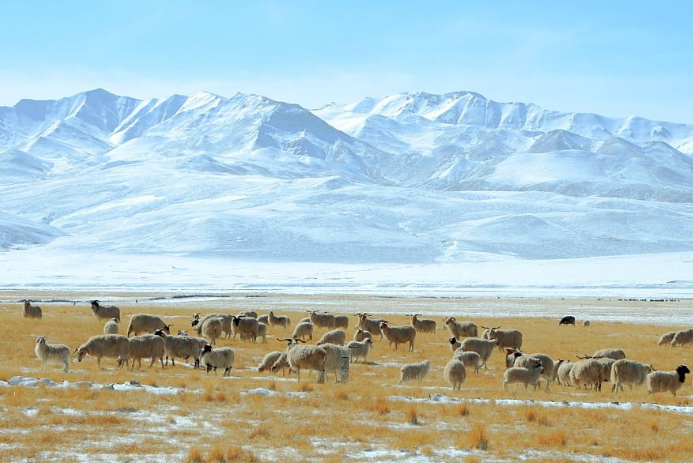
(98, 362)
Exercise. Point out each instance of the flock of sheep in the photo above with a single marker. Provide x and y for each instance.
(332, 353)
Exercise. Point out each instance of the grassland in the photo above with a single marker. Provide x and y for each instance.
(256, 417)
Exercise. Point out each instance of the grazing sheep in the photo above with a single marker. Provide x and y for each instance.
(414, 371)
(360, 335)
(341, 321)
(470, 359)
(563, 373)
(681, 338)
(360, 349)
(628, 372)
(111, 327)
(461, 329)
(262, 332)
(672, 381)
(183, 347)
(249, 313)
(507, 339)
(145, 323)
(281, 363)
(31, 311)
(455, 373)
(245, 326)
(321, 320)
(399, 334)
(606, 363)
(587, 372)
(567, 320)
(226, 322)
(333, 337)
(269, 360)
(616, 354)
(52, 353)
(335, 358)
(211, 328)
(105, 312)
(221, 357)
(527, 376)
(148, 346)
(305, 357)
(303, 330)
(519, 359)
(280, 320)
(422, 325)
(483, 347)
(372, 325)
(454, 344)
(666, 338)
(586, 323)
(263, 319)
(105, 345)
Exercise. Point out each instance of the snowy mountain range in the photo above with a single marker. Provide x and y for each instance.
(413, 178)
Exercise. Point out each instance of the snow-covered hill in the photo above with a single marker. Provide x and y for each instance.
(410, 178)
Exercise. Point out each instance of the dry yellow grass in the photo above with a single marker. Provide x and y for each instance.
(212, 419)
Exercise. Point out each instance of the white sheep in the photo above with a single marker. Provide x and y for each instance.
(423, 325)
(245, 326)
(461, 329)
(454, 344)
(455, 373)
(414, 371)
(372, 325)
(341, 321)
(527, 376)
(269, 360)
(681, 338)
(147, 346)
(519, 359)
(305, 357)
(470, 359)
(104, 312)
(280, 320)
(563, 373)
(672, 381)
(606, 363)
(333, 337)
(105, 345)
(211, 329)
(399, 334)
(321, 320)
(483, 347)
(616, 354)
(183, 347)
(360, 349)
(588, 373)
(31, 311)
(249, 313)
(360, 335)
(665, 339)
(145, 323)
(303, 330)
(221, 357)
(281, 363)
(507, 339)
(628, 372)
(335, 359)
(52, 353)
(111, 326)
(226, 321)
(263, 319)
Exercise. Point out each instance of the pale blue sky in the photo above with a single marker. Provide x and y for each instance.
(611, 57)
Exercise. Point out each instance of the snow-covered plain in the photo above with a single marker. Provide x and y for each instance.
(409, 194)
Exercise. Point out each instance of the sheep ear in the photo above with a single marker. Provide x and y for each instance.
(76, 349)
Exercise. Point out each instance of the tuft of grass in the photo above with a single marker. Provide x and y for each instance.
(478, 438)
(237, 454)
(381, 407)
(463, 409)
(553, 439)
(261, 432)
(530, 416)
(654, 426)
(305, 387)
(216, 455)
(412, 416)
(195, 456)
